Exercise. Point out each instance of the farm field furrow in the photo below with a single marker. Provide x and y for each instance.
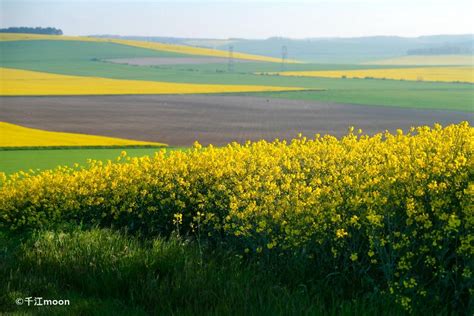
(440, 74)
(16, 82)
(211, 119)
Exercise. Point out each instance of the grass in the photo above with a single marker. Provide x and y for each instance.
(105, 272)
(424, 95)
(15, 160)
(454, 100)
(153, 46)
(51, 50)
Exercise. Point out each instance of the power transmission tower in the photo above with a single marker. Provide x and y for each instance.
(230, 65)
(284, 56)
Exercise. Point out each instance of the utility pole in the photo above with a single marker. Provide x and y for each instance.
(284, 56)
(230, 65)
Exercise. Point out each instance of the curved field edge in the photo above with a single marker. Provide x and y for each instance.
(182, 49)
(16, 136)
(353, 211)
(16, 82)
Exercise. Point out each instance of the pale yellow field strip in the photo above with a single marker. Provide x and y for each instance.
(12, 135)
(182, 49)
(28, 37)
(15, 82)
(443, 74)
(428, 60)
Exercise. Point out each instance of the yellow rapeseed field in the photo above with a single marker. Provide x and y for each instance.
(426, 60)
(395, 210)
(182, 49)
(444, 74)
(23, 82)
(12, 135)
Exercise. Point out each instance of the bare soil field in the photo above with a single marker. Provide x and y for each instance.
(179, 120)
(157, 61)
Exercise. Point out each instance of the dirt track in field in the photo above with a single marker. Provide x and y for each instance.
(180, 120)
(156, 61)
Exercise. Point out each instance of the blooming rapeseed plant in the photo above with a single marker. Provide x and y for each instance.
(395, 209)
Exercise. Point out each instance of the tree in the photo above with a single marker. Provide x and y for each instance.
(33, 30)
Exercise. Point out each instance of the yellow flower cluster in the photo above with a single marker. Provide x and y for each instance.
(396, 208)
(14, 82)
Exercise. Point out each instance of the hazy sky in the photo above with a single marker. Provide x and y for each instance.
(243, 18)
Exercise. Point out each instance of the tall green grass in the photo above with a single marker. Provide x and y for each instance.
(105, 272)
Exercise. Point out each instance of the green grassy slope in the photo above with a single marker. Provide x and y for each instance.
(15, 160)
(50, 51)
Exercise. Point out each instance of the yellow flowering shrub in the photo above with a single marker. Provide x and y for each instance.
(393, 212)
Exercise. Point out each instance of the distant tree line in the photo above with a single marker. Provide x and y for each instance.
(442, 50)
(33, 30)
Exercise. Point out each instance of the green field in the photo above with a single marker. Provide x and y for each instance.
(16, 160)
(82, 58)
(275, 229)
(51, 51)
(418, 97)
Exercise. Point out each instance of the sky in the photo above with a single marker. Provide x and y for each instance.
(243, 18)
